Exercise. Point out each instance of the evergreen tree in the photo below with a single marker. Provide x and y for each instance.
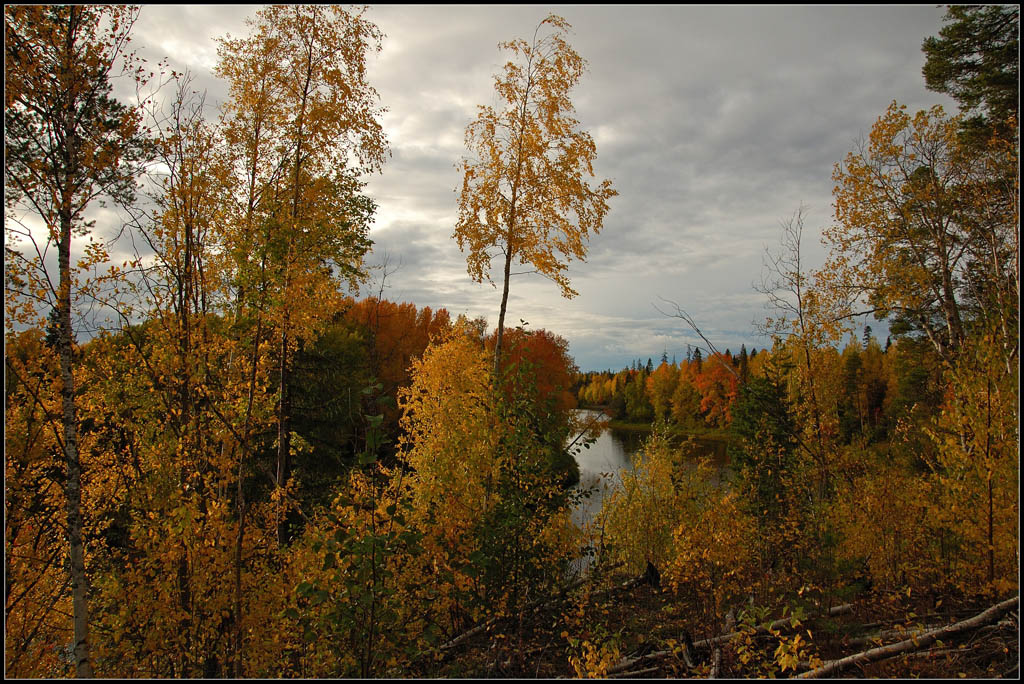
(851, 419)
(976, 61)
(744, 365)
(766, 434)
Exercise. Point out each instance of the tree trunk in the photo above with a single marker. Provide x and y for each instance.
(501, 311)
(237, 646)
(244, 451)
(509, 248)
(73, 486)
(283, 433)
(284, 415)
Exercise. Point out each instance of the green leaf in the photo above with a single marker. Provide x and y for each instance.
(330, 561)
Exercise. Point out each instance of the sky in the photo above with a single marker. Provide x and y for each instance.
(714, 123)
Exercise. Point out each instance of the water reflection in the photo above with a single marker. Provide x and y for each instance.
(601, 465)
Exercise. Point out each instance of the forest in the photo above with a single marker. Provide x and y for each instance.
(261, 467)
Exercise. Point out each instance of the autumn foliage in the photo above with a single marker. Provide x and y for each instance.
(249, 470)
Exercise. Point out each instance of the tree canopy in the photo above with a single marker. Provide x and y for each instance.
(525, 193)
(976, 60)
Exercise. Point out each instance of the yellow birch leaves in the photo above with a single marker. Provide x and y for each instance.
(524, 191)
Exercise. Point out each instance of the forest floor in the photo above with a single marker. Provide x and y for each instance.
(637, 631)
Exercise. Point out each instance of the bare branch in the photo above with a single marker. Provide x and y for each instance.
(688, 319)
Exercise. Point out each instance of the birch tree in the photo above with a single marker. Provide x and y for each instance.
(304, 123)
(927, 228)
(68, 142)
(525, 194)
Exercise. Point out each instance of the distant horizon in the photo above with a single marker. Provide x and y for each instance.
(714, 123)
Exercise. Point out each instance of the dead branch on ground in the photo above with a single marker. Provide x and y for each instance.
(917, 642)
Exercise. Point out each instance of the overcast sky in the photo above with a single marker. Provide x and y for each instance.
(713, 123)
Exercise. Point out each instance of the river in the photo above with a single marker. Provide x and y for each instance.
(612, 452)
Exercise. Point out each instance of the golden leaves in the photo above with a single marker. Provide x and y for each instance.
(524, 194)
(917, 208)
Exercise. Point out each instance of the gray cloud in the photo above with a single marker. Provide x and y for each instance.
(714, 124)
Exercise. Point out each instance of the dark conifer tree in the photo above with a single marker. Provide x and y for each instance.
(744, 362)
(976, 61)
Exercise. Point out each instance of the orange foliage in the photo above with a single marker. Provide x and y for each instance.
(397, 334)
(718, 388)
(548, 357)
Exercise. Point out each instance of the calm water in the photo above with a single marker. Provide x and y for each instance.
(602, 464)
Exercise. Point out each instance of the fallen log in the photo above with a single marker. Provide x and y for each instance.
(894, 630)
(636, 673)
(627, 663)
(916, 642)
(716, 655)
(877, 638)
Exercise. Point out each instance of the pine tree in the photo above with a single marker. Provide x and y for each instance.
(976, 61)
(744, 365)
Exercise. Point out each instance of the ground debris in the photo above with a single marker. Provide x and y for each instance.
(643, 631)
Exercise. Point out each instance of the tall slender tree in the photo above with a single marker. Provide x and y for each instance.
(304, 121)
(68, 142)
(808, 321)
(524, 194)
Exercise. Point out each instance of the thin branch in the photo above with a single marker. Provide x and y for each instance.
(686, 318)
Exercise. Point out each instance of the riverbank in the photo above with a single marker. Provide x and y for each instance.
(676, 432)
